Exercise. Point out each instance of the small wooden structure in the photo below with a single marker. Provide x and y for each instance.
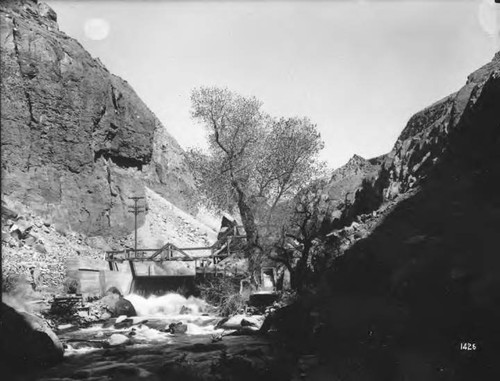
(68, 303)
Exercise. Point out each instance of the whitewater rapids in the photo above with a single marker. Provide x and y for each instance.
(166, 305)
(169, 308)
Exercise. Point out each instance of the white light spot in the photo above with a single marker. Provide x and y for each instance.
(96, 29)
(487, 15)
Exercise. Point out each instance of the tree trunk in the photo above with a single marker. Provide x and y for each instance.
(248, 220)
(297, 278)
(253, 249)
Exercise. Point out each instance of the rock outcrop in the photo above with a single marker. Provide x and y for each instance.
(347, 180)
(77, 141)
(349, 177)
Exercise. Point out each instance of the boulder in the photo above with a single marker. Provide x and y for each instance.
(177, 328)
(117, 339)
(124, 307)
(239, 321)
(23, 226)
(123, 323)
(30, 240)
(117, 304)
(40, 248)
(105, 316)
(15, 234)
(27, 340)
(121, 318)
(185, 310)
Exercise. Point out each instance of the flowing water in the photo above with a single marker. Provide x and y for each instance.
(148, 351)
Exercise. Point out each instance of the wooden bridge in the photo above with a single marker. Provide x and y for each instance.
(167, 253)
(170, 266)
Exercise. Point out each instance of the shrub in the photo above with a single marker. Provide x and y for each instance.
(223, 292)
(232, 304)
(71, 286)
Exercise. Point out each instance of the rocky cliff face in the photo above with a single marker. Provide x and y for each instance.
(424, 142)
(346, 180)
(77, 141)
(426, 274)
(429, 135)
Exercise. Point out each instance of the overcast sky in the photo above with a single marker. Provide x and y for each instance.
(358, 69)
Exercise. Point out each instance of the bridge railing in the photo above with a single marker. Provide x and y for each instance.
(141, 255)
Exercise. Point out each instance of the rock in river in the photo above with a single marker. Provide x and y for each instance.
(117, 304)
(118, 339)
(177, 328)
(239, 321)
(124, 307)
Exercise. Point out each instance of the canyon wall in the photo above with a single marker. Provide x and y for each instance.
(77, 141)
(422, 275)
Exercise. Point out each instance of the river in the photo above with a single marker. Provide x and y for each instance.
(203, 352)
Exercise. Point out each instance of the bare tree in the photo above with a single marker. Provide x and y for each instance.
(311, 211)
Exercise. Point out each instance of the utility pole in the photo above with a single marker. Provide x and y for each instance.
(136, 210)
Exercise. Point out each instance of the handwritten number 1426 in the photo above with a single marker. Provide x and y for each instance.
(468, 346)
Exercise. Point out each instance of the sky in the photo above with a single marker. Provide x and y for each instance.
(359, 69)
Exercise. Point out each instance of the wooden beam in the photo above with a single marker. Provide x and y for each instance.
(196, 248)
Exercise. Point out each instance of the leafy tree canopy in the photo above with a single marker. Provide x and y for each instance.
(253, 161)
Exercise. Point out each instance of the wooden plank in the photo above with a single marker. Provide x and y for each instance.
(65, 299)
(131, 259)
(196, 248)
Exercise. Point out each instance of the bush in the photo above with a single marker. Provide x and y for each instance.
(71, 286)
(232, 304)
(223, 292)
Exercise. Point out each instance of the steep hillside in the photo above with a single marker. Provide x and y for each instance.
(426, 277)
(167, 223)
(430, 134)
(362, 186)
(77, 141)
(31, 242)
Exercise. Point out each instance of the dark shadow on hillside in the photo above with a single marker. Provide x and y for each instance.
(428, 277)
